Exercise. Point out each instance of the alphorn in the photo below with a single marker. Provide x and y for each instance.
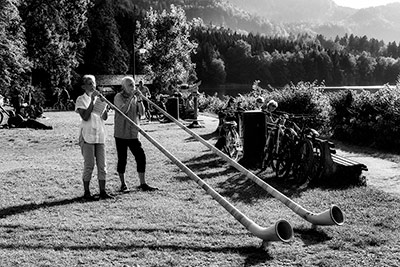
(331, 216)
(280, 231)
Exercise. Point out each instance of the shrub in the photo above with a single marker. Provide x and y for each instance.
(305, 99)
(211, 104)
(367, 118)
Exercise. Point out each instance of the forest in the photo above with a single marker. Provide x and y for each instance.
(46, 46)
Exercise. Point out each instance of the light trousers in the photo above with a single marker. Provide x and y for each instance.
(93, 154)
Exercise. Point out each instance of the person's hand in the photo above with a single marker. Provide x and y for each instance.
(102, 98)
(94, 94)
(138, 95)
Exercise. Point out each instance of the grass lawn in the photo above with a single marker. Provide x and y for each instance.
(44, 222)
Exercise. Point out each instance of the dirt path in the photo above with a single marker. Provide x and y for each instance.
(383, 169)
(382, 173)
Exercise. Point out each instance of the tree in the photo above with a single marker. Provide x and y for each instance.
(366, 67)
(104, 53)
(14, 65)
(55, 33)
(164, 39)
(216, 71)
(238, 62)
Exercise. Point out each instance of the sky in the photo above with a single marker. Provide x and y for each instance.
(363, 3)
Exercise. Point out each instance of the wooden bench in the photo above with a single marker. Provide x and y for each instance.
(342, 160)
(348, 162)
(338, 170)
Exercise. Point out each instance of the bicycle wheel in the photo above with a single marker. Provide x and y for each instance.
(232, 145)
(317, 164)
(304, 161)
(282, 162)
(267, 154)
(1, 117)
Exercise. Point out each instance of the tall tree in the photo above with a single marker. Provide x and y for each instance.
(13, 62)
(366, 67)
(238, 62)
(164, 39)
(104, 53)
(55, 32)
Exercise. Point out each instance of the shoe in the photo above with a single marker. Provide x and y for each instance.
(87, 196)
(124, 189)
(105, 195)
(146, 187)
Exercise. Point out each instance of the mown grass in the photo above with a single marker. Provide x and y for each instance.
(43, 221)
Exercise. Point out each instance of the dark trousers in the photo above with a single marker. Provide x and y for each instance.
(135, 147)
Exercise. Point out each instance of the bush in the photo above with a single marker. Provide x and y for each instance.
(211, 104)
(366, 118)
(305, 99)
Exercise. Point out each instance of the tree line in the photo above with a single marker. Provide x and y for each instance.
(47, 45)
(225, 56)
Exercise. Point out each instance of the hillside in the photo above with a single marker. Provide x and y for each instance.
(326, 18)
(282, 17)
(321, 11)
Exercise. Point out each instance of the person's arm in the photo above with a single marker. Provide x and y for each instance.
(104, 115)
(121, 104)
(85, 113)
(139, 103)
(140, 108)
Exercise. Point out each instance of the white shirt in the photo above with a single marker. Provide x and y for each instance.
(93, 130)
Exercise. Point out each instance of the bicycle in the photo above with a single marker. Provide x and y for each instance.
(233, 144)
(272, 144)
(302, 154)
(153, 113)
(230, 131)
(275, 149)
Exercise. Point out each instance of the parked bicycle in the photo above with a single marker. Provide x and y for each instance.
(230, 131)
(233, 144)
(307, 164)
(292, 151)
(272, 148)
(153, 113)
(300, 153)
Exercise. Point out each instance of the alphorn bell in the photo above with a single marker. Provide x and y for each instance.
(280, 231)
(331, 216)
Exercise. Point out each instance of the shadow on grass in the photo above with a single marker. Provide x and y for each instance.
(254, 255)
(311, 236)
(237, 186)
(206, 166)
(33, 206)
(212, 135)
(208, 162)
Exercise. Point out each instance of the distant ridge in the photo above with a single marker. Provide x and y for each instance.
(327, 18)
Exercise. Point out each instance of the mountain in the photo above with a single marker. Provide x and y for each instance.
(295, 10)
(285, 17)
(326, 18)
